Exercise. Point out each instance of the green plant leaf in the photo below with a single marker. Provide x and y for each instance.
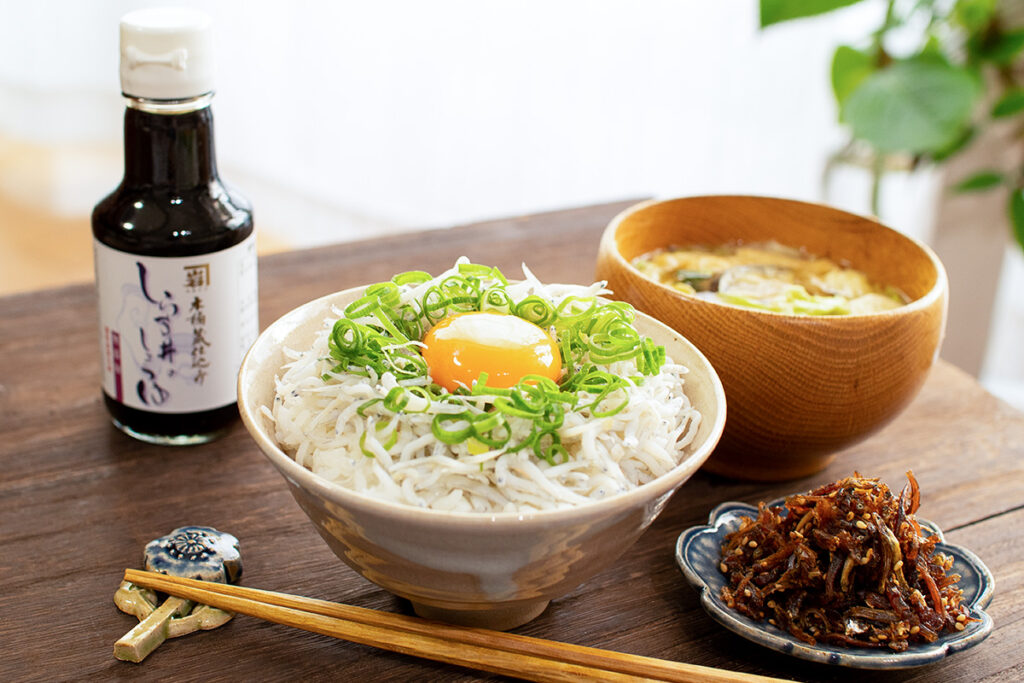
(849, 67)
(983, 180)
(965, 138)
(919, 106)
(974, 15)
(1000, 48)
(1017, 215)
(1012, 102)
(932, 46)
(774, 11)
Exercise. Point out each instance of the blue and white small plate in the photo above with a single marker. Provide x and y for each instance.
(698, 555)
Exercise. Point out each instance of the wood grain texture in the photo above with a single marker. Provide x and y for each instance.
(79, 500)
(799, 387)
(536, 659)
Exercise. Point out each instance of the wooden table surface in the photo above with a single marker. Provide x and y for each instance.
(79, 500)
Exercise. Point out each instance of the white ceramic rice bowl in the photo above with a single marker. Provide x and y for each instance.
(491, 570)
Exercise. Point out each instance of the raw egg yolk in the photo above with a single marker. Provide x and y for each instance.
(506, 347)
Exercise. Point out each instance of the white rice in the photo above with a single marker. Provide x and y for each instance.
(317, 423)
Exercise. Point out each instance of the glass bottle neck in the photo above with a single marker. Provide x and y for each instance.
(169, 145)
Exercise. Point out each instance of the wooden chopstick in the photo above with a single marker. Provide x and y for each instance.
(477, 648)
(509, 654)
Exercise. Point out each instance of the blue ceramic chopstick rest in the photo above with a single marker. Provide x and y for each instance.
(195, 552)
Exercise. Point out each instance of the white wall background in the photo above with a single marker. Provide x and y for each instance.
(405, 113)
(343, 120)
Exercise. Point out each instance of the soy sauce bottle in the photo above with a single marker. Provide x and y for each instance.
(175, 252)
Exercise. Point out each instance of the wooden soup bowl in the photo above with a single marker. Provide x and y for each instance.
(799, 388)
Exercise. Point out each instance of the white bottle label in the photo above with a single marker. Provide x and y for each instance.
(173, 331)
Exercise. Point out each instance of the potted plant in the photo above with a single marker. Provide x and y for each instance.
(926, 103)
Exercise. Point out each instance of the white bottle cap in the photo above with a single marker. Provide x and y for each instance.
(166, 53)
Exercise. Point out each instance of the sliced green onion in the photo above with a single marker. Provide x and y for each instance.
(412, 277)
(361, 410)
(362, 446)
(556, 451)
(378, 333)
(386, 445)
(450, 436)
(346, 336)
(608, 412)
(508, 407)
(482, 272)
(495, 299)
(546, 445)
(538, 311)
(389, 326)
(574, 308)
(396, 400)
(491, 429)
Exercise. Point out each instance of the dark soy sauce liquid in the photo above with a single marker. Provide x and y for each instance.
(171, 203)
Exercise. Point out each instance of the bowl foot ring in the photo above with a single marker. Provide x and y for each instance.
(499, 618)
